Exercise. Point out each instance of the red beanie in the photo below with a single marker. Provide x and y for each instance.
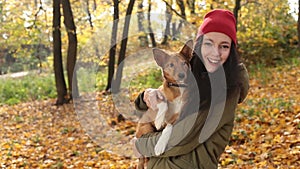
(219, 20)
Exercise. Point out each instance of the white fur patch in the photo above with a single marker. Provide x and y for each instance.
(163, 140)
(175, 105)
(161, 115)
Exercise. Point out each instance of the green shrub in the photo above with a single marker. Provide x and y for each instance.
(32, 87)
(149, 79)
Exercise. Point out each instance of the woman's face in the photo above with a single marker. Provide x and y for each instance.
(215, 50)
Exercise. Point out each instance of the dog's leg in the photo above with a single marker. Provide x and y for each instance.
(163, 140)
(161, 115)
(141, 163)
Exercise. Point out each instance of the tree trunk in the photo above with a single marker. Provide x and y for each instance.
(89, 13)
(94, 5)
(298, 25)
(180, 3)
(176, 31)
(72, 48)
(113, 46)
(168, 22)
(212, 4)
(141, 18)
(191, 5)
(58, 66)
(237, 7)
(151, 33)
(117, 81)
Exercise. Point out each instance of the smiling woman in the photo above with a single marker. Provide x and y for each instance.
(216, 41)
(203, 131)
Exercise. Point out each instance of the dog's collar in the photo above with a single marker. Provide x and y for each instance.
(170, 84)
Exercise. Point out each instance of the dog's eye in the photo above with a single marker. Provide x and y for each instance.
(171, 64)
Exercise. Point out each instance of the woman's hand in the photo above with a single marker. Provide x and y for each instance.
(152, 97)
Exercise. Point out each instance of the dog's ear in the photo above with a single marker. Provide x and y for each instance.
(187, 50)
(160, 57)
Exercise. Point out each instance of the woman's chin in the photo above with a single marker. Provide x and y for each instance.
(212, 68)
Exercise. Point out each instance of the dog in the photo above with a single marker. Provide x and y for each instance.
(175, 70)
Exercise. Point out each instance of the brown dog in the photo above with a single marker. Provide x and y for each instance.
(175, 68)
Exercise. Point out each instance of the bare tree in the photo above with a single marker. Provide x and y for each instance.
(141, 18)
(298, 24)
(87, 10)
(236, 9)
(169, 12)
(191, 5)
(62, 94)
(72, 47)
(151, 34)
(113, 46)
(60, 82)
(176, 31)
(117, 81)
(168, 23)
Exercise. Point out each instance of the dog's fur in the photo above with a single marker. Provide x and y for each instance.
(175, 69)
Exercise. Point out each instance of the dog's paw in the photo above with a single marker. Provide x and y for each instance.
(160, 117)
(159, 149)
(163, 140)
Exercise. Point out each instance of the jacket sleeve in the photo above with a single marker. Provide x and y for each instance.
(139, 103)
(182, 139)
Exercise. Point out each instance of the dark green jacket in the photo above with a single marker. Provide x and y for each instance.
(188, 152)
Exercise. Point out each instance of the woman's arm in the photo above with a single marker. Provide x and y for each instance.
(185, 135)
(139, 102)
(182, 138)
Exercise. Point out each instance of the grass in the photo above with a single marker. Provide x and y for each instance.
(149, 79)
(28, 88)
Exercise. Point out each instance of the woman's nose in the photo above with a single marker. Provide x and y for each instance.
(216, 51)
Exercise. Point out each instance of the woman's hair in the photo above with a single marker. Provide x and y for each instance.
(230, 66)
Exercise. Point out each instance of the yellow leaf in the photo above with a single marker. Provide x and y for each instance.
(18, 126)
(18, 146)
(6, 146)
(239, 161)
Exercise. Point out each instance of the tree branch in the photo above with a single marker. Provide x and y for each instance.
(173, 10)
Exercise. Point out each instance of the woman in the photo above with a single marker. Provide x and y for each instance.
(222, 82)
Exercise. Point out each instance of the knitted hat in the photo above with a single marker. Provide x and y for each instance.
(219, 20)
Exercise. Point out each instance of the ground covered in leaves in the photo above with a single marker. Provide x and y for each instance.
(266, 134)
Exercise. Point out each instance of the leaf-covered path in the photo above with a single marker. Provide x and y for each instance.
(266, 134)
(41, 135)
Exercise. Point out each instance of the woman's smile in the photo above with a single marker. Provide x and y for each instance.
(214, 61)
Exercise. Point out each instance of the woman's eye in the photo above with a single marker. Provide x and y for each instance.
(208, 44)
(225, 46)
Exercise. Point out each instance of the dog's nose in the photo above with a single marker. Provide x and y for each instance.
(181, 75)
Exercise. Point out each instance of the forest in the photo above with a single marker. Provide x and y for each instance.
(70, 71)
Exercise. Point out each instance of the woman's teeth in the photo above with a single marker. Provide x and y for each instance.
(214, 61)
